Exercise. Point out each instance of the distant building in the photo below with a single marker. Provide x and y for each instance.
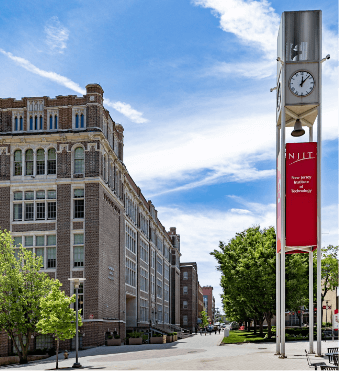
(209, 302)
(189, 296)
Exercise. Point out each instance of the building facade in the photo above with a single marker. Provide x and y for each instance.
(189, 296)
(66, 195)
(209, 302)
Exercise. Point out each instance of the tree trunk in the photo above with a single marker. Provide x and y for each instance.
(57, 354)
(24, 350)
(255, 326)
(269, 326)
(261, 326)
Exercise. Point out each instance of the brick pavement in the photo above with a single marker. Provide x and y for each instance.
(193, 353)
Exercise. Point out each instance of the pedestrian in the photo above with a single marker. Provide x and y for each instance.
(219, 329)
(205, 331)
(215, 331)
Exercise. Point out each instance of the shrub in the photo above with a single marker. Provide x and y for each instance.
(134, 334)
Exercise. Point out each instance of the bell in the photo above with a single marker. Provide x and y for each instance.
(298, 129)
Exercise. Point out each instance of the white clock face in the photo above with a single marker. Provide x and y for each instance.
(301, 83)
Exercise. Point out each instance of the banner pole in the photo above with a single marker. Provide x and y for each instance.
(278, 292)
(310, 306)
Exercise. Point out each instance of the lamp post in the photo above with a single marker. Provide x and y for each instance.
(77, 282)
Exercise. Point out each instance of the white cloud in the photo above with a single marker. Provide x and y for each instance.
(127, 111)
(255, 23)
(123, 108)
(61, 80)
(56, 35)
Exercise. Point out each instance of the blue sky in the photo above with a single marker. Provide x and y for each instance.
(189, 81)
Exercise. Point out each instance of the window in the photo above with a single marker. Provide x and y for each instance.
(153, 259)
(55, 121)
(184, 304)
(144, 225)
(50, 122)
(159, 265)
(130, 237)
(28, 241)
(79, 209)
(17, 241)
(29, 161)
(76, 121)
(159, 313)
(143, 280)
(144, 251)
(21, 123)
(78, 250)
(82, 120)
(30, 123)
(16, 123)
(130, 273)
(79, 160)
(143, 310)
(18, 162)
(166, 315)
(185, 276)
(152, 285)
(34, 202)
(36, 123)
(159, 244)
(185, 320)
(40, 162)
(51, 251)
(159, 289)
(51, 161)
(166, 270)
(41, 122)
(166, 292)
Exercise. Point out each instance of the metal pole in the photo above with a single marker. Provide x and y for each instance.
(76, 364)
(310, 286)
(310, 305)
(283, 216)
(278, 293)
(319, 130)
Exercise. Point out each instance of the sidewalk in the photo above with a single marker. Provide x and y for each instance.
(193, 353)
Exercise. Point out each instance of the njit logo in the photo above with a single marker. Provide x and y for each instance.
(300, 156)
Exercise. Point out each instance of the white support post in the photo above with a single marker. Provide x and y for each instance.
(310, 306)
(278, 293)
(283, 216)
(319, 135)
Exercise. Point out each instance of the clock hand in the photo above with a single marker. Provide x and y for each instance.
(304, 80)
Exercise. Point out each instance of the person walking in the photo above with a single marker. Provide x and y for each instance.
(219, 329)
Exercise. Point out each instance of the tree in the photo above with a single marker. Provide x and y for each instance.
(247, 264)
(57, 317)
(21, 287)
(204, 318)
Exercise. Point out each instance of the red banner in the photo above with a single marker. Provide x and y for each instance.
(301, 195)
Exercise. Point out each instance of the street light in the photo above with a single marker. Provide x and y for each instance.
(76, 282)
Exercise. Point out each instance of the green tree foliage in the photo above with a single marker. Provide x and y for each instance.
(247, 263)
(204, 318)
(57, 317)
(21, 287)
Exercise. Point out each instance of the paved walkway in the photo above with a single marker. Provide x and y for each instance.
(193, 353)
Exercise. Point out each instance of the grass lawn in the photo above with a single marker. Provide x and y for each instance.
(237, 336)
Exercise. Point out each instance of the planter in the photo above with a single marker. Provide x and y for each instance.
(158, 340)
(135, 341)
(115, 342)
(175, 337)
(169, 338)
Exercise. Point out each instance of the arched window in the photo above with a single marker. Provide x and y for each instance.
(18, 162)
(40, 162)
(50, 122)
(79, 160)
(51, 162)
(76, 121)
(29, 159)
(30, 123)
(55, 121)
(41, 123)
(16, 123)
(21, 123)
(36, 123)
(82, 122)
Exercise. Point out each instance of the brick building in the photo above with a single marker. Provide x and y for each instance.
(209, 302)
(66, 195)
(189, 295)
